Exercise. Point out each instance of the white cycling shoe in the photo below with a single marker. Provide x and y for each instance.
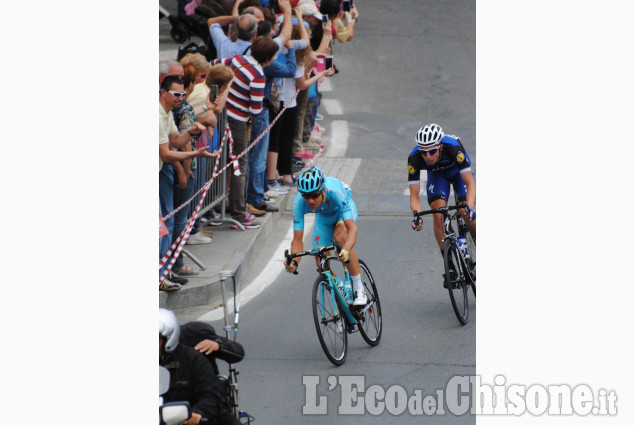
(341, 326)
(360, 298)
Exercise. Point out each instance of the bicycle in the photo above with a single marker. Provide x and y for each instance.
(460, 270)
(334, 319)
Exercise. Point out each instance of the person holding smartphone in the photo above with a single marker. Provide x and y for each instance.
(345, 21)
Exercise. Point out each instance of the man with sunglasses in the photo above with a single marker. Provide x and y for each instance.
(447, 163)
(172, 94)
(335, 217)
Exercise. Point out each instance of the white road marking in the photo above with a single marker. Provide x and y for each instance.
(326, 85)
(332, 106)
(338, 140)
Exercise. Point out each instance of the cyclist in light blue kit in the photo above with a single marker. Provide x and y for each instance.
(447, 163)
(335, 218)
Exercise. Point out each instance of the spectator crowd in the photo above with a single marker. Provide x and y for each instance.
(264, 62)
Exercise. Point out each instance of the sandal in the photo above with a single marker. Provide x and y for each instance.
(185, 271)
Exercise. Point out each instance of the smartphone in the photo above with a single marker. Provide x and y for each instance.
(213, 92)
(329, 62)
(325, 19)
(347, 6)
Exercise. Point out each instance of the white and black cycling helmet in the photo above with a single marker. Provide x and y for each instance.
(169, 329)
(429, 135)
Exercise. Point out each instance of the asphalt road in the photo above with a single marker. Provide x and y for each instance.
(410, 63)
(422, 345)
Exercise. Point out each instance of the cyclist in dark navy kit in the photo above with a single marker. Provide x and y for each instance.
(447, 163)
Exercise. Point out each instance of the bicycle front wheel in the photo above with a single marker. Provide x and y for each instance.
(329, 322)
(455, 280)
(471, 249)
(370, 324)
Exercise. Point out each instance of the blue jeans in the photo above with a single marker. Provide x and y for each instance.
(182, 216)
(316, 105)
(166, 201)
(257, 160)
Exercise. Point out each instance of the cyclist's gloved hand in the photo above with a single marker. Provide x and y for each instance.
(292, 267)
(471, 214)
(417, 223)
(344, 255)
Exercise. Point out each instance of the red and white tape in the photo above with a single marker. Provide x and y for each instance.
(177, 245)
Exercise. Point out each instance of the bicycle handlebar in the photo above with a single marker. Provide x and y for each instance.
(314, 252)
(443, 210)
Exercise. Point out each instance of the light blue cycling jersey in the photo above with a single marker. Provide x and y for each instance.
(337, 206)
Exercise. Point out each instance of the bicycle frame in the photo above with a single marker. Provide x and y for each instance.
(449, 233)
(337, 296)
(449, 214)
(330, 277)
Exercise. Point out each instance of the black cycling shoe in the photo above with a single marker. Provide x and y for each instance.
(453, 275)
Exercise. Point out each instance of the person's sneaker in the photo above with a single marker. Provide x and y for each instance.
(198, 239)
(258, 212)
(315, 135)
(305, 155)
(268, 208)
(318, 117)
(185, 271)
(213, 218)
(168, 286)
(271, 194)
(205, 231)
(296, 168)
(287, 184)
(276, 187)
(360, 298)
(176, 278)
(247, 224)
(313, 144)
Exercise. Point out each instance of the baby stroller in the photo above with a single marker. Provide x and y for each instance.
(179, 32)
(191, 19)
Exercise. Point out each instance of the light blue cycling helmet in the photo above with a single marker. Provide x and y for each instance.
(311, 180)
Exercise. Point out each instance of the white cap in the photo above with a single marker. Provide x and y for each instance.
(309, 8)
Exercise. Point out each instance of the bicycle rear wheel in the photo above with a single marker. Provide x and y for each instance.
(455, 280)
(329, 322)
(370, 324)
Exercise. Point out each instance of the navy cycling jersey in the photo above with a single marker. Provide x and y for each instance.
(452, 154)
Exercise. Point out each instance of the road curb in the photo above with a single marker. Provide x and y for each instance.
(197, 298)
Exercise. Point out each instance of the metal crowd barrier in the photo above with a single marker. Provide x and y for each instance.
(217, 193)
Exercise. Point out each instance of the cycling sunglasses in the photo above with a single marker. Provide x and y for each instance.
(428, 152)
(312, 195)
